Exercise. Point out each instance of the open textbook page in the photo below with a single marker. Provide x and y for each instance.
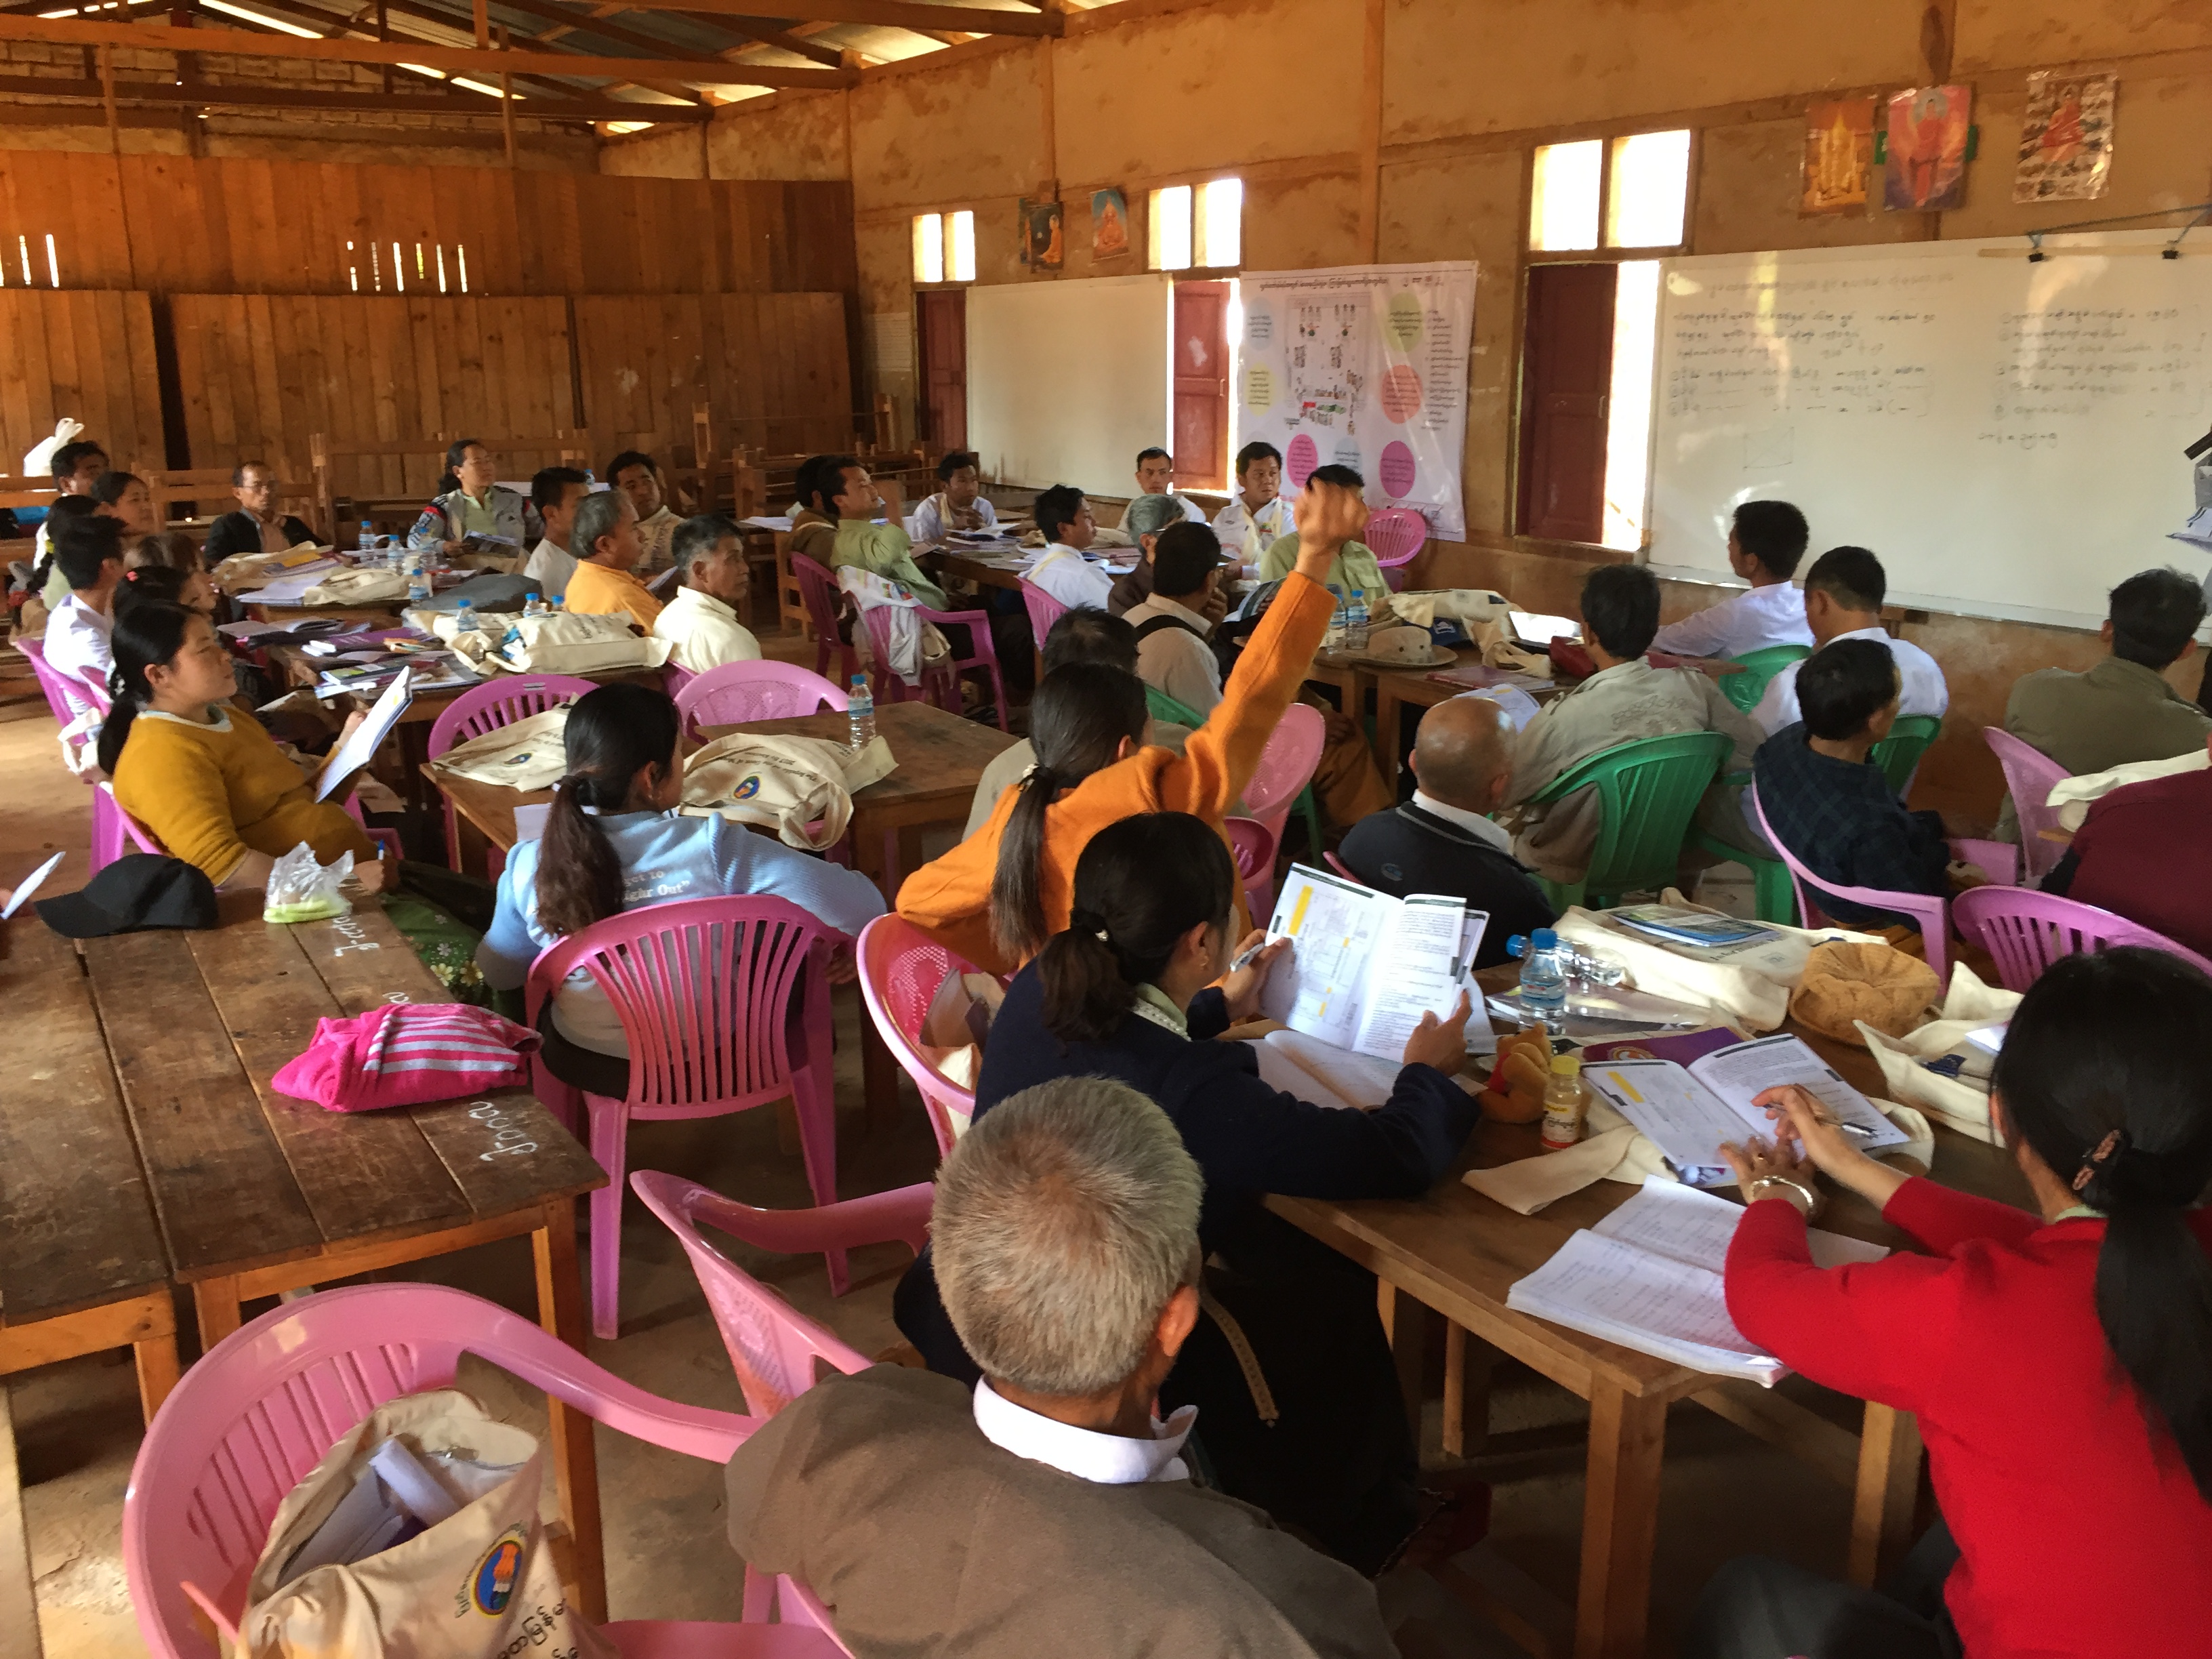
(1688, 1113)
(1321, 1072)
(1666, 1219)
(1364, 966)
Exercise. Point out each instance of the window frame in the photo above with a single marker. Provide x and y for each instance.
(1605, 253)
(1197, 186)
(946, 242)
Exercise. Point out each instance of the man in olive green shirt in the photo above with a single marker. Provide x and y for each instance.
(1355, 571)
(2122, 709)
(840, 522)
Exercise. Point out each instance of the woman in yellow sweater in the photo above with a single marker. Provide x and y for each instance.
(206, 781)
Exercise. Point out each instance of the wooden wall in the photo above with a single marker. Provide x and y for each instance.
(88, 355)
(175, 224)
(773, 368)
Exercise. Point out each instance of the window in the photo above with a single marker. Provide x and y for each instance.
(428, 259)
(1638, 186)
(1199, 226)
(945, 247)
(34, 260)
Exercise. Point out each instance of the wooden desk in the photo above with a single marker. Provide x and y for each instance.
(1460, 1253)
(1397, 689)
(257, 1194)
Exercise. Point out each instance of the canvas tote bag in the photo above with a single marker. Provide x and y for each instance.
(801, 788)
(530, 753)
(476, 1585)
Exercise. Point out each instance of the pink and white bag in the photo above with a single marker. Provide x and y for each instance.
(408, 1054)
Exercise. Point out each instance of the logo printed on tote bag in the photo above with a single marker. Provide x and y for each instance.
(491, 1586)
(746, 790)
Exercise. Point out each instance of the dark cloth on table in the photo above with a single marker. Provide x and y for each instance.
(241, 532)
(1844, 823)
(1339, 1462)
(1757, 1608)
(2141, 853)
(1405, 850)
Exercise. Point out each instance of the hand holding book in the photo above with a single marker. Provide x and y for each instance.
(1807, 1133)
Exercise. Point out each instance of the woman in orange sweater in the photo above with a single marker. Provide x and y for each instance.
(1001, 893)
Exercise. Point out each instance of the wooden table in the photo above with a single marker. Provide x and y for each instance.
(1460, 1252)
(257, 1194)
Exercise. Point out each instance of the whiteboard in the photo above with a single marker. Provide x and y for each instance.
(1067, 380)
(2007, 435)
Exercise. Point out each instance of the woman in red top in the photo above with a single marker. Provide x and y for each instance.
(2061, 1366)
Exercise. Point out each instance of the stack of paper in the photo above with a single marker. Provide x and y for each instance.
(1701, 929)
(1648, 1277)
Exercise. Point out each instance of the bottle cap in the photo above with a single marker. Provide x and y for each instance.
(1566, 1065)
(1544, 940)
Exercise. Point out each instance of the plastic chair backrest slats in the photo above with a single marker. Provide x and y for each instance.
(502, 702)
(1396, 535)
(1044, 611)
(738, 692)
(1898, 753)
(1648, 791)
(1162, 707)
(1759, 667)
(2025, 931)
(1931, 911)
(2030, 776)
(1286, 766)
(900, 969)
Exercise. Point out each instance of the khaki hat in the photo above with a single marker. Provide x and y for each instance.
(1845, 982)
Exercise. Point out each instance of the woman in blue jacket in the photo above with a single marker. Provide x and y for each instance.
(613, 842)
(1300, 1412)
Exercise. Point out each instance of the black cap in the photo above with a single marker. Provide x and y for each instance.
(136, 891)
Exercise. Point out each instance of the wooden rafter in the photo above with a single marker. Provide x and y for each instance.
(915, 15)
(337, 27)
(217, 95)
(567, 20)
(488, 66)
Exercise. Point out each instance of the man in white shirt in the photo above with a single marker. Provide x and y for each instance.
(1063, 517)
(76, 467)
(88, 553)
(960, 505)
(1064, 1232)
(1765, 543)
(1844, 593)
(1156, 476)
(1172, 626)
(637, 475)
(701, 620)
(1259, 514)
(555, 492)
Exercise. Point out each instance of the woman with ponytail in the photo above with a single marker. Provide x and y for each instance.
(2060, 1361)
(614, 842)
(1135, 989)
(203, 778)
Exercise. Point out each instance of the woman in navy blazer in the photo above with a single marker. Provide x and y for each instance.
(1300, 1409)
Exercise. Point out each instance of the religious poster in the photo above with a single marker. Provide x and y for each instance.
(1838, 155)
(2065, 138)
(1365, 366)
(1925, 170)
(1109, 224)
(1042, 246)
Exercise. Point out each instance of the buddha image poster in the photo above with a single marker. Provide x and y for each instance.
(1925, 169)
(1838, 155)
(2065, 138)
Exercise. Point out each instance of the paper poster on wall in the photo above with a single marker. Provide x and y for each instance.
(1926, 165)
(1043, 243)
(2065, 138)
(1365, 366)
(1838, 150)
(1109, 224)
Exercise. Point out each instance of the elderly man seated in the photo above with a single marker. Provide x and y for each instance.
(1049, 1501)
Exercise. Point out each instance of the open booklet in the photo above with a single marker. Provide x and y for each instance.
(358, 750)
(1648, 1277)
(1687, 1112)
(1364, 966)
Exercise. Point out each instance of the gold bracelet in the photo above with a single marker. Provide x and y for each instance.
(1812, 1199)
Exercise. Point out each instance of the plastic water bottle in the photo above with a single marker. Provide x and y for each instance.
(1355, 624)
(464, 618)
(1543, 976)
(418, 578)
(860, 709)
(533, 603)
(367, 542)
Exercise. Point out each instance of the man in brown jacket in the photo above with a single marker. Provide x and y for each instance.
(1048, 1512)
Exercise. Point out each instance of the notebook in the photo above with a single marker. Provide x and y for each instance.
(1648, 1277)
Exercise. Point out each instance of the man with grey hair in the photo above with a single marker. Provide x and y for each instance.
(1048, 1512)
(700, 620)
(1144, 519)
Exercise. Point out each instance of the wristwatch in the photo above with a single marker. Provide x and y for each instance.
(1811, 1196)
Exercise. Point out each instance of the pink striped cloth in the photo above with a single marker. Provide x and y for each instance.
(406, 1053)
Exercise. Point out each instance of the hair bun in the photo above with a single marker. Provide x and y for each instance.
(1091, 922)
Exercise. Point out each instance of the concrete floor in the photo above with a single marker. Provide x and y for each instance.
(78, 1427)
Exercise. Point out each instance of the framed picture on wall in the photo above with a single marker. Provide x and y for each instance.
(1043, 245)
(1925, 169)
(2065, 138)
(1838, 152)
(1109, 224)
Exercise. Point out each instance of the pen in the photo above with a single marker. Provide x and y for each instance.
(1245, 959)
(1848, 1128)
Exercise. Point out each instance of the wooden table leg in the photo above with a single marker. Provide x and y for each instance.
(1889, 1480)
(1405, 1321)
(19, 1601)
(1620, 1518)
(214, 1302)
(156, 1358)
(1468, 1362)
(575, 1457)
(1387, 743)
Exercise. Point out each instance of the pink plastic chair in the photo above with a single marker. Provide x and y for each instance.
(941, 686)
(115, 832)
(2025, 931)
(1396, 535)
(1253, 845)
(724, 1005)
(486, 707)
(1342, 868)
(1929, 911)
(817, 592)
(254, 1417)
(1286, 767)
(67, 695)
(740, 691)
(1044, 611)
(900, 969)
(2030, 776)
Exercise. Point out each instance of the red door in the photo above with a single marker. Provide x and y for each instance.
(1566, 372)
(944, 330)
(1202, 384)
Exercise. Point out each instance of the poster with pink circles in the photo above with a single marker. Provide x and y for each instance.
(1364, 367)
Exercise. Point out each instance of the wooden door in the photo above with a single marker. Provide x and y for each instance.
(1202, 384)
(1566, 372)
(943, 326)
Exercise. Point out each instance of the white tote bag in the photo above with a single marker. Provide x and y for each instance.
(801, 788)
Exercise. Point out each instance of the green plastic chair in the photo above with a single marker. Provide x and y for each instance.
(1648, 791)
(1898, 753)
(1774, 896)
(1162, 707)
(1745, 689)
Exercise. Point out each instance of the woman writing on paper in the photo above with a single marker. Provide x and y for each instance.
(205, 778)
(1134, 989)
(2061, 1363)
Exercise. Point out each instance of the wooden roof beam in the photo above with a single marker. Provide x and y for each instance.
(217, 95)
(568, 21)
(324, 20)
(915, 14)
(72, 32)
